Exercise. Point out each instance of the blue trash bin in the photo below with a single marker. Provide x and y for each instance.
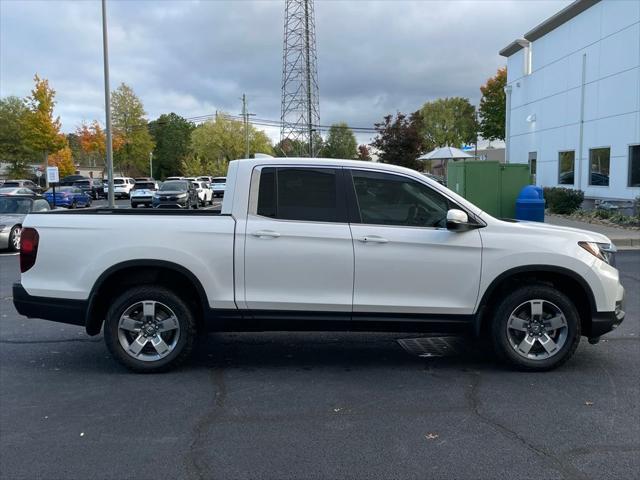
(530, 204)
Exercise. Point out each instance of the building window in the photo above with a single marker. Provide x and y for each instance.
(634, 166)
(566, 165)
(533, 160)
(599, 159)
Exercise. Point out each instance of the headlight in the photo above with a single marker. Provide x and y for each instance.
(603, 251)
(182, 195)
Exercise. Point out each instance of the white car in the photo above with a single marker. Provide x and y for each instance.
(122, 187)
(142, 193)
(313, 244)
(205, 194)
(219, 185)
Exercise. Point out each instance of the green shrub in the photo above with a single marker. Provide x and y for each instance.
(563, 200)
(601, 213)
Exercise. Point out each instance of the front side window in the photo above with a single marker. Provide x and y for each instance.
(387, 199)
(40, 205)
(634, 166)
(566, 161)
(599, 166)
(304, 194)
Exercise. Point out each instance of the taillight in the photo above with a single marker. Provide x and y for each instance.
(29, 239)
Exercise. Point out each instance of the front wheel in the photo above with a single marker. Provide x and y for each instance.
(149, 329)
(536, 328)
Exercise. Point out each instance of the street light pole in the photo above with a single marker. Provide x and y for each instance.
(151, 164)
(107, 104)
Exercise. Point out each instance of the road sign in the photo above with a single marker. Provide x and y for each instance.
(38, 173)
(52, 175)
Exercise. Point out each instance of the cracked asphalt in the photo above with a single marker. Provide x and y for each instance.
(289, 406)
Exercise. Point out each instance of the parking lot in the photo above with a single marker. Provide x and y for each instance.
(126, 203)
(292, 405)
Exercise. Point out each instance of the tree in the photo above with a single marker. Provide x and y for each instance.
(399, 140)
(63, 159)
(132, 140)
(448, 121)
(172, 136)
(93, 143)
(42, 130)
(13, 146)
(222, 140)
(363, 153)
(341, 142)
(492, 106)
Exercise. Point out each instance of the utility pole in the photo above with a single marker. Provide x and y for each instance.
(107, 104)
(245, 117)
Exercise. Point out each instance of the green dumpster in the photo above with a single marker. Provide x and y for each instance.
(491, 185)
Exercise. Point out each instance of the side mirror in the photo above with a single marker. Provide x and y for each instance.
(458, 220)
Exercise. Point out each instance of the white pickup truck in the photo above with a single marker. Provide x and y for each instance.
(310, 244)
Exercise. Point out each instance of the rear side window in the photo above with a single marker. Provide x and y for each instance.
(40, 205)
(304, 194)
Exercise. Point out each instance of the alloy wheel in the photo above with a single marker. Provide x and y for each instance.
(537, 329)
(148, 330)
(15, 240)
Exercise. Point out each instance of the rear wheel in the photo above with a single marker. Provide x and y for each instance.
(149, 329)
(536, 328)
(74, 204)
(14, 238)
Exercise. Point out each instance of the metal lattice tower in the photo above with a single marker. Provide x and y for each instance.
(300, 97)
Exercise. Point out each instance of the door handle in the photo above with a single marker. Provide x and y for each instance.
(373, 239)
(266, 233)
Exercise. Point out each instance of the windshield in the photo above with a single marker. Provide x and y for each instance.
(15, 205)
(219, 180)
(11, 184)
(82, 183)
(144, 186)
(62, 190)
(173, 185)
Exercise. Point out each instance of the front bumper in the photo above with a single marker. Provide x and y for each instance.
(604, 322)
(60, 310)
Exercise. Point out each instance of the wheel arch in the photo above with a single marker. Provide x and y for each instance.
(123, 275)
(567, 281)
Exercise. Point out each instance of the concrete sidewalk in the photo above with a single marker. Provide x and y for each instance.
(623, 238)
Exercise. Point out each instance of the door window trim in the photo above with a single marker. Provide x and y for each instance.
(341, 183)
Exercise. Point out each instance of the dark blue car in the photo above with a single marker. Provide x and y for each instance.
(70, 197)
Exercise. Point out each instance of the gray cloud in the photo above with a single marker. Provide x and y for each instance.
(195, 57)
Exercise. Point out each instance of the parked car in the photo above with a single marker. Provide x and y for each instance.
(16, 191)
(176, 194)
(598, 179)
(92, 187)
(219, 184)
(69, 180)
(70, 197)
(174, 178)
(142, 193)
(143, 179)
(22, 184)
(311, 244)
(13, 210)
(204, 192)
(122, 186)
(205, 179)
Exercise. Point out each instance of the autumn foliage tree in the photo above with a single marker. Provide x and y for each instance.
(42, 129)
(63, 159)
(399, 140)
(492, 106)
(132, 142)
(92, 140)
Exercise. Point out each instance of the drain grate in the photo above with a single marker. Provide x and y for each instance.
(427, 347)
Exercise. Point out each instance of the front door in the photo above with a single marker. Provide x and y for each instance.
(406, 261)
(298, 247)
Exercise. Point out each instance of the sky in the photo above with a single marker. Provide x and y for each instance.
(198, 57)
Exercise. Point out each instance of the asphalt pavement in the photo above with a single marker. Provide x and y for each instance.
(314, 405)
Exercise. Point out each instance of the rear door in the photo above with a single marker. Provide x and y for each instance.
(406, 261)
(298, 246)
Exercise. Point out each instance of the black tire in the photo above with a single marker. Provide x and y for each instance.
(74, 204)
(552, 297)
(15, 232)
(187, 332)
